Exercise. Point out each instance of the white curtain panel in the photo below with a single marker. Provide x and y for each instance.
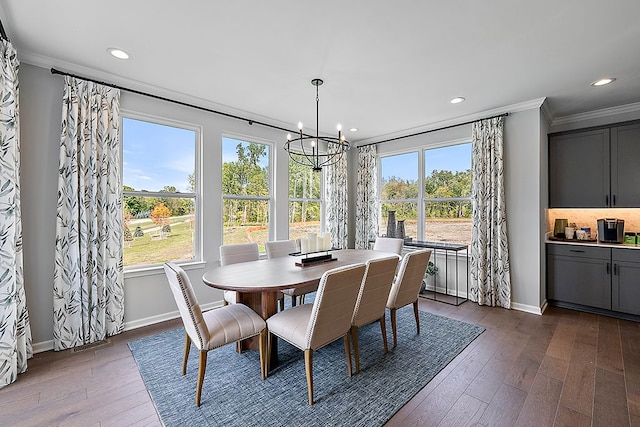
(337, 210)
(88, 291)
(15, 330)
(366, 205)
(490, 272)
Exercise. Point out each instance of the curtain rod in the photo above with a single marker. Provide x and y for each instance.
(3, 33)
(185, 104)
(432, 130)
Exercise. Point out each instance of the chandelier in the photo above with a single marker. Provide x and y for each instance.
(316, 151)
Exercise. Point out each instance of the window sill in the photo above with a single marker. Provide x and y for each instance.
(158, 269)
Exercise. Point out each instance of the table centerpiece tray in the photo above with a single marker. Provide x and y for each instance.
(311, 258)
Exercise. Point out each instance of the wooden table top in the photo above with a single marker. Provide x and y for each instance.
(281, 273)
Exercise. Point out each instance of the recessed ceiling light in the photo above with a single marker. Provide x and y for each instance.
(353, 130)
(118, 53)
(603, 82)
(456, 100)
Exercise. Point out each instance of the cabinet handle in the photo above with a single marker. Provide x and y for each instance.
(575, 250)
(606, 200)
(615, 269)
(607, 268)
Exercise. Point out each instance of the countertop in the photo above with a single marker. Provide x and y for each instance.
(596, 244)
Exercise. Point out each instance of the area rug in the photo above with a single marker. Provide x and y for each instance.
(234, 395)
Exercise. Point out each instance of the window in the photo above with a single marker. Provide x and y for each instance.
(246, 191)
(305, 201)
(447, 194)
(399, 191)
(432, 194)
(159, 192)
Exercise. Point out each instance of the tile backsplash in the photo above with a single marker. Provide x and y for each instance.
(589, 217)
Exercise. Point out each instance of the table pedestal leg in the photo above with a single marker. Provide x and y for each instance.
(266, 305)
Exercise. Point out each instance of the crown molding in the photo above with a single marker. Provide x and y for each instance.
(513, 108)
(547, 112)
(597, 114)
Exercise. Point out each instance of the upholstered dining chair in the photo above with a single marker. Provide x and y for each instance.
(213, 328)
(406, 286)
(312, 326)
(388, 244)
(371, 305)
(235, 253)
(281, 248)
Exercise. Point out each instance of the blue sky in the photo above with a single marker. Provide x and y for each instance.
(454, 158)
(155, 156)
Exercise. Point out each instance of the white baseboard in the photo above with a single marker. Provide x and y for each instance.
(43, 346)
(529, 308)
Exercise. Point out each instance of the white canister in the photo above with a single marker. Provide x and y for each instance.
(568, 232)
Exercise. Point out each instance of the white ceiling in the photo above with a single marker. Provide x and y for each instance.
(389, 67)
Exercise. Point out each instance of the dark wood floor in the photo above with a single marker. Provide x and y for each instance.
(564, 368)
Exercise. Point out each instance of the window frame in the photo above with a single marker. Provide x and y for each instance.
(321, 200)
(141, 270)
(421, 200)
(271, 180)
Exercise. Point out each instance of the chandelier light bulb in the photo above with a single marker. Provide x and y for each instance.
(288, 137)
(339, 127)
(300, 125)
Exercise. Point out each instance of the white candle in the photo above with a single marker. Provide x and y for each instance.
(320, 244)
(304, 245)
(311, 237)
(327, 241)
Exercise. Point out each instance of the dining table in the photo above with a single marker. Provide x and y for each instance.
(259, 282)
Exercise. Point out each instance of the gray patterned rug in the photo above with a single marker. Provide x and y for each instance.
(234, 395)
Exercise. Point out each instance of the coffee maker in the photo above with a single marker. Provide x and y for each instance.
(611, 230)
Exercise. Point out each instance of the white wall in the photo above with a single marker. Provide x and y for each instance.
(147, 296)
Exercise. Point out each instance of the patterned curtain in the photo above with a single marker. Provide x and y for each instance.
(366, 206)
(15, 330)
(337, 203)
(490, 272)
(88, 291)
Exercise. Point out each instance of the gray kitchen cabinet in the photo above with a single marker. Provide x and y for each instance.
(625, 283)
(596, 168)
(579, 274)
(579, 174)
(625, 166)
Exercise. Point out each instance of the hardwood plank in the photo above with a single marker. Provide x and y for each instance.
(561, 344)
(554, 368)
(567, 417)
(505, 407)
(465, 412)
(630, 339)
(540, 407)
(609, 345)
(610, 407)
(523, 373)
(579, 388)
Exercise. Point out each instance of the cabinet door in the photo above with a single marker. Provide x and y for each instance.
(625, 286)
(579, 170)
(582, 279)
(625, 166)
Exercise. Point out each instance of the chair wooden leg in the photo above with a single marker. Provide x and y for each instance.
(393, 327)
(347, 350)
(308, 365)
(187, 348)
(238, 347)
(383, 328)
(356, 351)
(415, 313)
(293, 300)
(267, 362)
(263, 351)
(201, 368)
(302, 298)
